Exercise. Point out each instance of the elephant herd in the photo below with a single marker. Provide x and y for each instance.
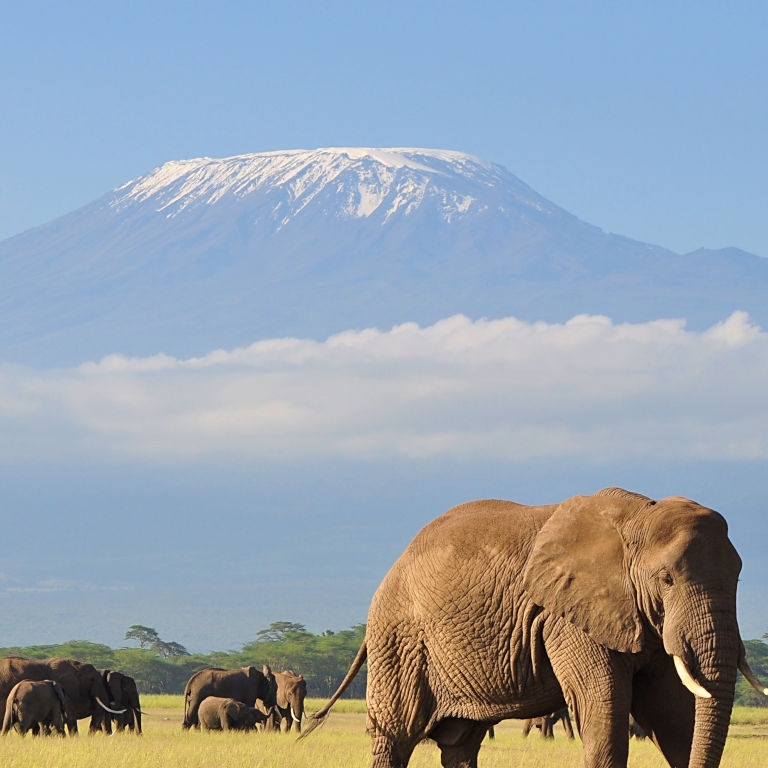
(244, 699)
(45, 696)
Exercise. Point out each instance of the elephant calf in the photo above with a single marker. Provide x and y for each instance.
(219, 714)
(33, 704)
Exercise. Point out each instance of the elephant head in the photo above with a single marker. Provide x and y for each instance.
(123, 694)
(636, 574)
(291, 692)
(267, 684)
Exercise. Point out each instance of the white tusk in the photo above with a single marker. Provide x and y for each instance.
(688, 681)
(294, 716)
(113, 711)
(751, 677)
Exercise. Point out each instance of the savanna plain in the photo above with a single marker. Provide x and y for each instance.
(340, 743)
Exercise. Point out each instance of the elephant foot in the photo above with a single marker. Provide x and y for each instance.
(386, 754)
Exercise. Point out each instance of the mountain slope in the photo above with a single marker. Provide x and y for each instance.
(205, 253)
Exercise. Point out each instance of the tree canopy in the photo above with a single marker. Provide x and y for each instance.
(159, 666)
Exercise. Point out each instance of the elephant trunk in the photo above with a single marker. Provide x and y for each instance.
(297, 708)
(711, 728)
(137, 715)
(713, 661)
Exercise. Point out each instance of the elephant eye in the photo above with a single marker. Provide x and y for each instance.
(665, 578)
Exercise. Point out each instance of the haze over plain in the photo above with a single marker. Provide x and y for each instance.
(295, 471)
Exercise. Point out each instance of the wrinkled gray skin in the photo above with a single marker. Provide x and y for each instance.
(498, 610)
(546, 724)
(35, 705)
(123, 694)
(81, 682)
(291, 692)
(216, 713)
(245, 685)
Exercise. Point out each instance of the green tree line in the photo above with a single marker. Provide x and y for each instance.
(164, 667)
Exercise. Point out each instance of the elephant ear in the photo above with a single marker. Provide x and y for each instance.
(114, 684)
(59, 691)
(578, 569)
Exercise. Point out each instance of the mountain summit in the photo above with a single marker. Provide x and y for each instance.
(347, 183)
(205, 253)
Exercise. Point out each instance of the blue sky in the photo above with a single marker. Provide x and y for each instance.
(144, 485)
(647, 119)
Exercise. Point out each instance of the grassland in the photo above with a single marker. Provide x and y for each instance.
(341, 742)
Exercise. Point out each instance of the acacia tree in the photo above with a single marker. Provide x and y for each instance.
(146, 637)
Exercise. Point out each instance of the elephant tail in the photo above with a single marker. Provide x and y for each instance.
(10, 707)
(318, 718)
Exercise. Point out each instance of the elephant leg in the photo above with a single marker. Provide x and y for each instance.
(527, 725)
(459, 742)
(548, 728)
(386, 754)
(567, 727)
(600, 698)
(665, 710)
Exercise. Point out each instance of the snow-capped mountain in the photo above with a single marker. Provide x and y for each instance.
(361, 181)
(208, 252)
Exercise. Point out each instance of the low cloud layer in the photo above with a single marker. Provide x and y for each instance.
(503, 388)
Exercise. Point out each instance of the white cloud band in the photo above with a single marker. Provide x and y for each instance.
(501, 388)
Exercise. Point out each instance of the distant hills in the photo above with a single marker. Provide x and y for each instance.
(207, 253)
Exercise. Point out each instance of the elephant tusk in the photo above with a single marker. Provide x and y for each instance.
(688, 681)
(751, 677)
(294, 716)
(113, 711)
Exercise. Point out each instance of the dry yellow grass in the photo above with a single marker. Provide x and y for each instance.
(341, 742)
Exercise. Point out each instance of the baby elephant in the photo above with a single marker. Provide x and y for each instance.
(33, 704)
(220, 714)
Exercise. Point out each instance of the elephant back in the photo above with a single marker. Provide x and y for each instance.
(14, 669)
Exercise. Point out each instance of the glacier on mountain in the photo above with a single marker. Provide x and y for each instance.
(363, 179)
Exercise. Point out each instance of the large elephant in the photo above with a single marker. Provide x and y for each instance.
(123, 694)
(611, 604)
(290, 695)
(84, 690)
(217, 713)
(35, 704)
(245, 685)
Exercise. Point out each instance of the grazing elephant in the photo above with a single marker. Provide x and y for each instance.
(123, 694)
(245, 685)
(216, 713)
(289, 708)
(546, 724)
(84, 691)
(35, 704)
(611, 604)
